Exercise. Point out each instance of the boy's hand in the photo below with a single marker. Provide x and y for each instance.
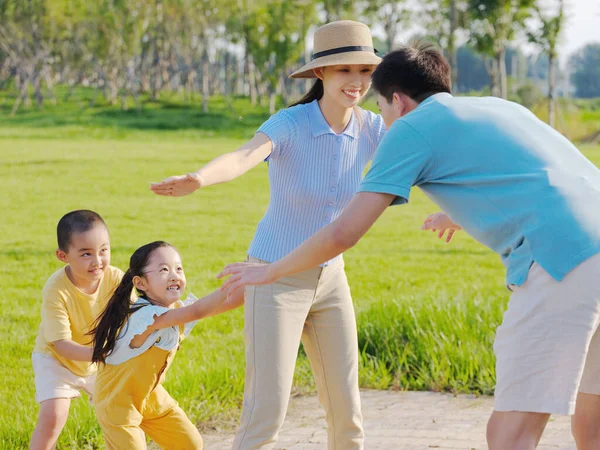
(178, 186)
(441, 222)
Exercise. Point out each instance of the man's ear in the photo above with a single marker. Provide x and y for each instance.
(139, 283)
(62, 256)
(398, 102)
(405, 103)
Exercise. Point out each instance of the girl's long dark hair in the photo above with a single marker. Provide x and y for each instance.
(315, 93)
(119, 306)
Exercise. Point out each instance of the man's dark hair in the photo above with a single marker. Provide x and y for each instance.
(418, 70)
(78, 221)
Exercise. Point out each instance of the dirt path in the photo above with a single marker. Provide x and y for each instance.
(401, 420)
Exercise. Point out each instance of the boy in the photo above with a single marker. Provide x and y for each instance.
(71, 300)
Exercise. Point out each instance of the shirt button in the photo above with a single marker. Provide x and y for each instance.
(339, 139)
(333, 174)
(332, 189)
(326, 219)
(335, 158)
(330, 203)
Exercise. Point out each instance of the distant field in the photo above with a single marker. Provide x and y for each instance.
(426, 310)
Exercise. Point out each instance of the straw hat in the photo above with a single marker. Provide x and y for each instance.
(341, 42)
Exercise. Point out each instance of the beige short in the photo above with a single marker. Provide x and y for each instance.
(548, 346)
(53, 380)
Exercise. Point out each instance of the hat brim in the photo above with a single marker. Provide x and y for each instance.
(358, 58)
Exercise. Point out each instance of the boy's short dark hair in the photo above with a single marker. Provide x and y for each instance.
(78, 221)
(418, 70)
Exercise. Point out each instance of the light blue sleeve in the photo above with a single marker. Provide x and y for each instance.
(403, 160)
(281, 129)
(137, 323)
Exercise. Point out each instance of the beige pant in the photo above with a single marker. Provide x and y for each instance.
(314, 306)
(548, 346)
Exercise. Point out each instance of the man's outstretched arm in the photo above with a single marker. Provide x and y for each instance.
(356, 219)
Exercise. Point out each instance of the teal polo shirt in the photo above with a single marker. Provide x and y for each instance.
(508, 179)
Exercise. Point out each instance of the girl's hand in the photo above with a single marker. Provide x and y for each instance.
(441, 222)
(178, 186)
(244, 274)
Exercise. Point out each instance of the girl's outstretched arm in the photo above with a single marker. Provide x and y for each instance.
(220, 170)
(211, 305)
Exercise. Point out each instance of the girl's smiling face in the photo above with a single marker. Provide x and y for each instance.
(163, 281)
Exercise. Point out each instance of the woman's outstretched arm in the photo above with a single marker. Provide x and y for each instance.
(220, 170)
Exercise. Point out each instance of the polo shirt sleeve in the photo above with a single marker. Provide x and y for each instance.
(57, 325)
(281, 129)
(379, 127)
(402, 160)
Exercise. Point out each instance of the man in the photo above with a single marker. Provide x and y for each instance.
(518, 187)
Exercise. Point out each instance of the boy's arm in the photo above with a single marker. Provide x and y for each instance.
(72, 350)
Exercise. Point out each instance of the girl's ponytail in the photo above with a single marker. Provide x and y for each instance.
(112, 319)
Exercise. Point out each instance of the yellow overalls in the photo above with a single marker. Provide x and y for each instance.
(130, 401)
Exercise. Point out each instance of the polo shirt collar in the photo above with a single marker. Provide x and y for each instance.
(433, 97)
(319, 126)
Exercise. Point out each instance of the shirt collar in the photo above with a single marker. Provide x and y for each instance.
(433, 97)
(319, 126)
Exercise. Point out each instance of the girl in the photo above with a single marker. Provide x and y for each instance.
(317, 152)
(137, 342)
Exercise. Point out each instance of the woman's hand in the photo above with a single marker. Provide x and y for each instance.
(245, 274)
(441, 222)
(178, 186)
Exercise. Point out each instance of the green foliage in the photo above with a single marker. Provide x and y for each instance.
(585, 66)
(528, 95)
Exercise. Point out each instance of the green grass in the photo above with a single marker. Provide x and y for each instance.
(426, 310)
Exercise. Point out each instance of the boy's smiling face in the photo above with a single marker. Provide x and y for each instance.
(88, 257)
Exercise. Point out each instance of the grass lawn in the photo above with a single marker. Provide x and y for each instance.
(426, 310)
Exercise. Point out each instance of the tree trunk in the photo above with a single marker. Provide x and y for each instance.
(551, 91)
(252, 79)
(503, 89)
(452, 45)
(492, 70)
(205, 81)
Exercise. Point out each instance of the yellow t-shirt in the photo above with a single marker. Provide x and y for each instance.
(69, 313)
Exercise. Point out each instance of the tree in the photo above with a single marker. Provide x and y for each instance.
(493, 27)
(585, 65)
(389, 14)
(443, 19)
(546, 37)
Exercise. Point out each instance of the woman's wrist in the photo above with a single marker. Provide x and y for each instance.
(197, 175)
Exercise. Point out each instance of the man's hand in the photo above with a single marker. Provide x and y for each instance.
(178, 186)
(441, 223)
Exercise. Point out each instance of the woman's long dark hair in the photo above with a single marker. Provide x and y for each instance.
(119, 306)
(315, 93)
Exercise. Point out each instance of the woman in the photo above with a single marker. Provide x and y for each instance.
(317, 151)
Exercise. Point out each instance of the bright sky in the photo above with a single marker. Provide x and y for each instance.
(583, 24)
(581, 28)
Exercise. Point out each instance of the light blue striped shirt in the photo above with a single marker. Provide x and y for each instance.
(313, 174)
